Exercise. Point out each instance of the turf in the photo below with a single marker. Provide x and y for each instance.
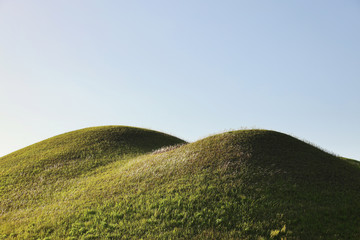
(108, 183)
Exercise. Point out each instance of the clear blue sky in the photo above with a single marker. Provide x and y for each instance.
(188, 68)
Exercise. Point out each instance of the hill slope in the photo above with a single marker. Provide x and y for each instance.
(28, 174)
(251, 184)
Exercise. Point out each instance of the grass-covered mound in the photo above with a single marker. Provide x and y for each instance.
(250, 184)
(26, 175)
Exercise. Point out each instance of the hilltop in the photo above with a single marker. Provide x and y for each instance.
(109, 183)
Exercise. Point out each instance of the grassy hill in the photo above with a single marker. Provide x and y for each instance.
(107, 183)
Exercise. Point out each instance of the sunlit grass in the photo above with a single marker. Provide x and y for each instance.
(250, 184)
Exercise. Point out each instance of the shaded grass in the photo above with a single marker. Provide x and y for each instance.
(238, 185)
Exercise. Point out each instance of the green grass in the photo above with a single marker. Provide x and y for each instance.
(107, 183)
(352, 161)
